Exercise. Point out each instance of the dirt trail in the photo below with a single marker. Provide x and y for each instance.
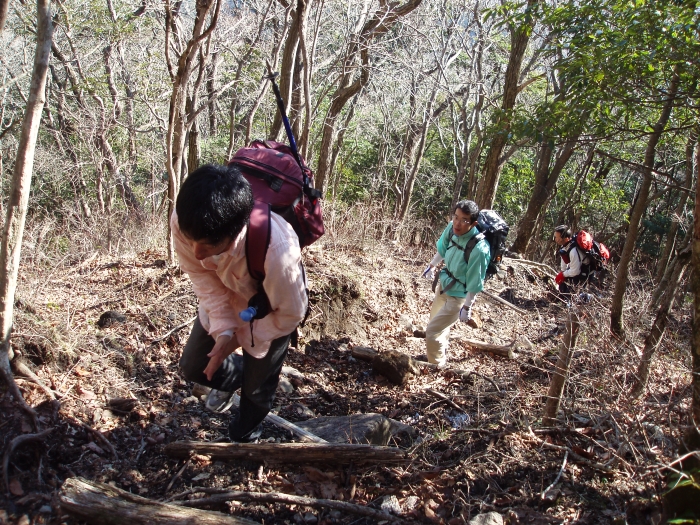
(489, 456)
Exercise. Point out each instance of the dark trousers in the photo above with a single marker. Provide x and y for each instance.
(572, 284)
(257, 378)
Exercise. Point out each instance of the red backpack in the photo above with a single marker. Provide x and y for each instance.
(279, 184)
(597, 251)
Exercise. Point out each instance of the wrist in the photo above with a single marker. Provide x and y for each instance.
(224, 333)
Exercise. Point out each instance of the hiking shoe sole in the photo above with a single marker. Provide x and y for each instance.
(219, 401)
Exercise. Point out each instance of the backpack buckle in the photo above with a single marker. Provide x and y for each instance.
(275, 183)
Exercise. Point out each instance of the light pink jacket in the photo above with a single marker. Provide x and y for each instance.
(224, 286)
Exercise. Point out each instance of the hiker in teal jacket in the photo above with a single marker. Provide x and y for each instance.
(459, 281)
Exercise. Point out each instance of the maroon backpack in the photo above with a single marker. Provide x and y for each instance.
(279, 184)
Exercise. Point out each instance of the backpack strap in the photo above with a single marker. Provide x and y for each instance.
(467, 252)
(257, 240)
(470, 245)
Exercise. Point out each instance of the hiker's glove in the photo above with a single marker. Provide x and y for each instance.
(559, 278)
(465, 313)
(429, 272)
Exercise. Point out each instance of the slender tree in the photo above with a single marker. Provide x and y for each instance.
(680, 206)
(179, 120)
(16, 213)
(670, 285)
(355, 74)
(693, 433)
(519, 39)
(639, 208)
(4, 8)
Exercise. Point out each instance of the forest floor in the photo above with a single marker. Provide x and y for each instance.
(603, 463)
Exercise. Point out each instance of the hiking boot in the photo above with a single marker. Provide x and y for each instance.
(234, 434)
(219, 401)
(254, 436)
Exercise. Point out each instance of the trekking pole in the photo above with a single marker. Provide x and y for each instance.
(280, 105)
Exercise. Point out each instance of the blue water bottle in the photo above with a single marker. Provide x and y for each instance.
(248, 314)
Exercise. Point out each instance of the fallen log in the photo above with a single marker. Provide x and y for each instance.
(337, 453)
(544, 267)
(102, 504)
(502, 350)
(364, 353)
(289, 499)
(504, 302)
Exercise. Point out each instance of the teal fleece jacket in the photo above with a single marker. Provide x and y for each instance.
(470, 277)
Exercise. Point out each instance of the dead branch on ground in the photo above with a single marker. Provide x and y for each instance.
(337, 453)
(278, 497)
(504, 302)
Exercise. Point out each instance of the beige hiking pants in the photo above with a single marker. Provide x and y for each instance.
(443, 314)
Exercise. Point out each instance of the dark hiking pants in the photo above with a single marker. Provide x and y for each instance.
(257, 378)
(573, 284)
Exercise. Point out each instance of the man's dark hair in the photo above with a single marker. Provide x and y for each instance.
(214, 203)
(468, 207)
(564, 231)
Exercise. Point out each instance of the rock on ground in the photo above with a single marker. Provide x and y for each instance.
(373, 429)
(490, 518)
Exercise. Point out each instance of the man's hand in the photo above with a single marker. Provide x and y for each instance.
(429, 272)
(559, 278)
(225, 346)
(465, 314)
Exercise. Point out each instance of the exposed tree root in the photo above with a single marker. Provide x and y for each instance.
(14, 444)
(13, 389)
(22, 369)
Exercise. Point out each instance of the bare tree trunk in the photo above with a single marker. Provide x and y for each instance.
(350, 84)
(194, 151)
(472, 122)
(4, 8)
(339, 139)
(694, 433)
(520, 36)
(470, 154)
(288, 66)
(653, 339)
(307, 60)
(263, 84)
(683, 199)
(211, 89)
(130, 92)
(178, 118)
(416, 156)
(561, 370)
(545, 183)
(295, 100)
(60, 130)
(638, 210)
(16, 213)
